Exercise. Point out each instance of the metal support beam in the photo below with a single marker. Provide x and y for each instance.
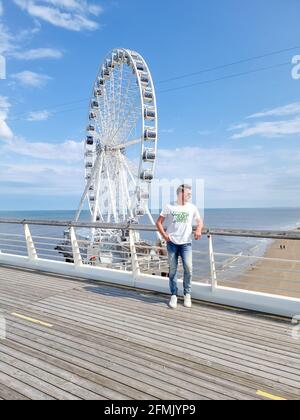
(134, 258)
(75, 248)
(212, 264)
(32, 254)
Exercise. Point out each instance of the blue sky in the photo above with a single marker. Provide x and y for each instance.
(239, 133)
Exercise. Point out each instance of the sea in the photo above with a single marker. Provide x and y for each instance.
(230, 252)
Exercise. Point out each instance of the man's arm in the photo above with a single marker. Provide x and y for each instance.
(199, 224)
(160, 227)
(198, 232)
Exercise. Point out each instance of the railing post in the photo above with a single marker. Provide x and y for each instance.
(134, 258)
(212, 263)
(32, 254)
(75, 248)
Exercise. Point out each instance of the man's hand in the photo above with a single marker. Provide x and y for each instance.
(198, 231)
(167, 238)
(198, 234)
(159, 225)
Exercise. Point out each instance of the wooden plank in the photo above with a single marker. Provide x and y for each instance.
(86, 378)
(25, 288)
(147, 328)
(160, 364)
(197, 365)
(138, 377)
(67, 389)
(7, 393)
(286, 362)
(22, 387)
(190, 348)
(166, 318)
(197, 310)
(12, 368)
(42, 280)
(269, 326)
(94, 329)
(10, 300)
(194, 321)
(152, 371)
(36, 273)
(105, 371)
(195, 362)
(243, 319)
(228, 383)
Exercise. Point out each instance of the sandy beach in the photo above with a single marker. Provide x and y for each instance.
(275, 277)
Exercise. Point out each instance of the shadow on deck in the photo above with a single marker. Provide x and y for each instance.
(68, 339)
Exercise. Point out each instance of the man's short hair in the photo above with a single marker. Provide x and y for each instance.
(183, 188)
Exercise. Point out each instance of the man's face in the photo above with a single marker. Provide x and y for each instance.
(185, 195)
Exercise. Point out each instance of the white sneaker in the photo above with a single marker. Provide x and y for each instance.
(187, 301)
(173, 302)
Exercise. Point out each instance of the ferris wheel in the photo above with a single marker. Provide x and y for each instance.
(121, 143)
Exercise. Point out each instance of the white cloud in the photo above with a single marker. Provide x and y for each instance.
(74, 15)
(167, 131)
(197, 161)
(10, 42)
(237, 127)
(82, 6)
(12, 145)
(32, 79)
(271, 129)
(5, 131)
(6, 40)
(291, 109)
(41, 179)
(36, 54)
(69, 151)
(38, 167)
(233, 177)
(38, 116)
(236, 177)
(229, 175)
(41, 168)
(205, 132)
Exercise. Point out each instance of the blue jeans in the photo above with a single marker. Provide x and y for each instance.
(185, 252)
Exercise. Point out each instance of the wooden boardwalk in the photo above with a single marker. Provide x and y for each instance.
(70, 339)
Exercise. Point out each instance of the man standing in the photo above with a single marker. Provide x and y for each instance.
(180, 217)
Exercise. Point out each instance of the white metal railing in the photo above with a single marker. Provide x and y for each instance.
(242, 280)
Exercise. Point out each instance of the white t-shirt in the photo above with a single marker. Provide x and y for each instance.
(180, 222)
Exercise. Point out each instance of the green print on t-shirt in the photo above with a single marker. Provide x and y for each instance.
(180, 216)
